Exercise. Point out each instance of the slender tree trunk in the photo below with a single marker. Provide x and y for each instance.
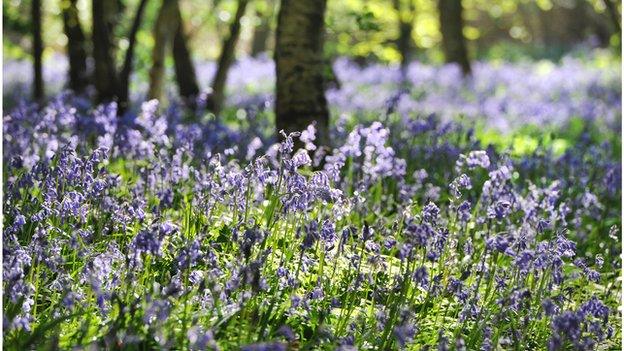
(300, 95)
(105, 74)
(184, 68)
(544, 17)
(226, 59)
(451, 26)
(404, 42)
(126, 70)
(164, 30)
(532, 13)
(598, 26)
(37, 51)
(614, 15)
(262, 30)
(76, 50)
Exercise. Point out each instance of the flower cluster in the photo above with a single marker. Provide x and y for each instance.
(148, 231)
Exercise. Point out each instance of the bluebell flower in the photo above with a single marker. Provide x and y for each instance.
(404, 334)
(287, 333)
(328, 233)
(501, 209)
(459, 183)
(463, 212)
(421, 276)
(442, 342)
(474, 159)
(200, 339)
(267, 346)
(568, 324)
(524, 260)
(430, 212)
(550, 309)
(596, 308)
(486, 344)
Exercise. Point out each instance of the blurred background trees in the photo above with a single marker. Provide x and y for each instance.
(369, 30)
(226, 58)
(109, 41)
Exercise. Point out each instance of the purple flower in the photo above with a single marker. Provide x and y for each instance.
(461, 182)
(568, 324)
(474, 159)
(463, 212)
(430, 212)
(499, 243)
(499, 210)
(550, 309)
(421, 276)
(200, 339)
(287, 333)
(486, 345)
(404, 334)
(524, 260)
(265, 346)
(596, 308)
(328, 233)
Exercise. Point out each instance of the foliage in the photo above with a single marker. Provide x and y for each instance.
(355, 28)
(170, 229)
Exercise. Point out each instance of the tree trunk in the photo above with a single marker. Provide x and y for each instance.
(262, 30)
(105, 75)
(614, 15)
(37, 51)
(184, 68)
(299, 64)
(451, 26)
(164, 30)
(404, 41)
(126, 70)
(598, 25)
(544, 18)
(225, 60)
(76, 50)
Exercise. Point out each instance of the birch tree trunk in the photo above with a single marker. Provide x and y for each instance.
(164, 29)
(300, 94)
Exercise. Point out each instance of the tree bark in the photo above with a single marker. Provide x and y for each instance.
(598, 26)
(225, 60)
(451, 26)
(262, 30)
(126, 70)
(37, 51)
(76, 50)
(404, 41)
(300, 95)
(105, 74)
(614, 15)
(164, 30)
(184, 68)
